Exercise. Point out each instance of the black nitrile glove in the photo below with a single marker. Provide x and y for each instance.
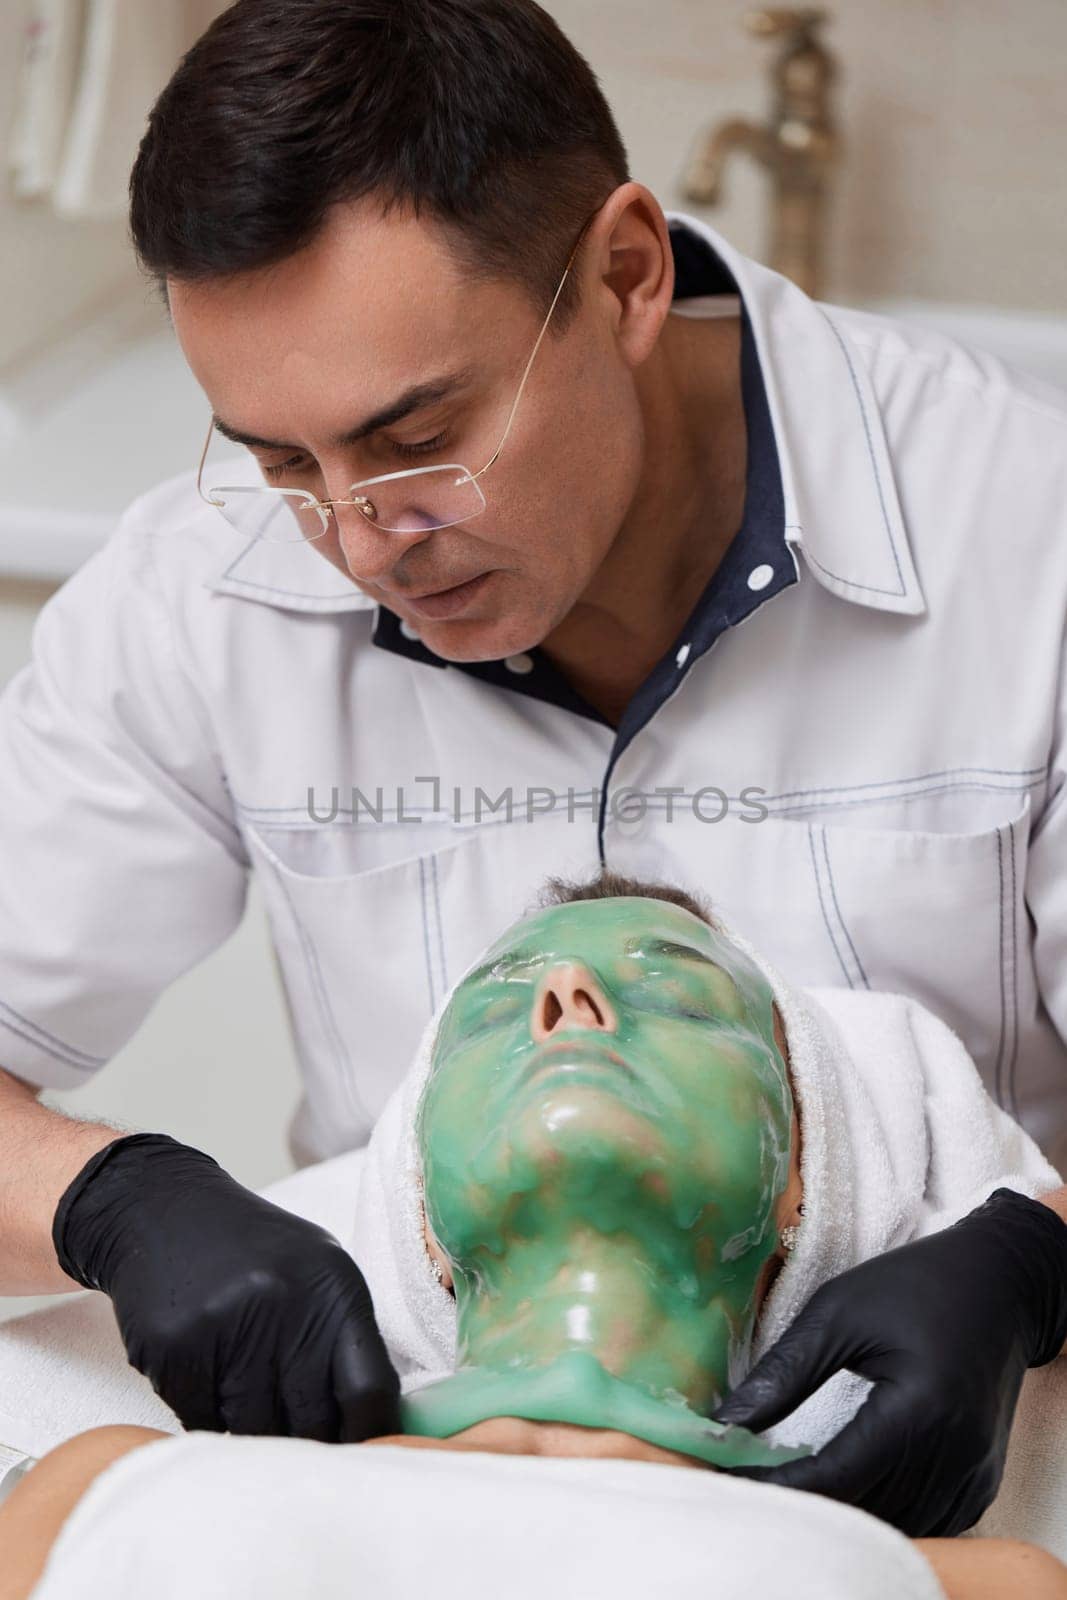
(946, 1327)
(244, 1317)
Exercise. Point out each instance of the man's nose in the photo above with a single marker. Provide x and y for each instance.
(569, 996)
(371, 553)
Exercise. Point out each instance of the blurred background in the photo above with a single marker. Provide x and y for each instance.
(905, 157)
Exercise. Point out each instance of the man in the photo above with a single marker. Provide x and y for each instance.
(405, 697)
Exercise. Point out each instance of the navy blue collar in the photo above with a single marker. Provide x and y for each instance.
(757, 564)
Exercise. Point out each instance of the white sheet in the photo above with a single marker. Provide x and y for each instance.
(225, 1518)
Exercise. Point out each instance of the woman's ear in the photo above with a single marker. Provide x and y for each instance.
(435, 1253)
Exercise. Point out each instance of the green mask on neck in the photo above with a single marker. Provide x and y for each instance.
(604, 1135)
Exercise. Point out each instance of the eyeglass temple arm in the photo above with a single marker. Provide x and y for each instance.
(203, 458)
(537, 346)
(511, 414)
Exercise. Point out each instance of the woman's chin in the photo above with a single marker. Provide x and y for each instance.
(515, 1436)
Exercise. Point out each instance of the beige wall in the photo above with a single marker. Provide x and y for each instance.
(50, 270)
(953, 184)
(54, 271)
(952, 188)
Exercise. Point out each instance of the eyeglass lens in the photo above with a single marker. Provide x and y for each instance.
(434, 497)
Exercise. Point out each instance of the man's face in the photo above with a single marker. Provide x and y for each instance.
(307, 350)
(613, 1061)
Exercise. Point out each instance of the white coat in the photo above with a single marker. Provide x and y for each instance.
(899, 710)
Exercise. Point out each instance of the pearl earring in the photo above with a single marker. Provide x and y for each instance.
(791, 1233)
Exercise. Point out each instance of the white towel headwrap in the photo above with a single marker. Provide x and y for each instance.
(898, 1139)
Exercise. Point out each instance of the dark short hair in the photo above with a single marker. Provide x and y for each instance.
(480, 112)
(608, 885)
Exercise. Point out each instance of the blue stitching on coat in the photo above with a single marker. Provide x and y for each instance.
(311, 957)
(837, 908)
(918, 777)
(998, 1080)
(426, 933)
(879, 799)
(440, 921)
(20, 1033)
(62, 1052)
(659, 802)
(874, 469)
(822, 907)
(1014, 985)
(851, 583)
(267, 588)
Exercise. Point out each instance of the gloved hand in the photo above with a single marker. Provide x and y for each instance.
(244, 1317)
(946, 1327)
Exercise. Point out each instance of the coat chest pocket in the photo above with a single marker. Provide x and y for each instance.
(937, 915)
(365, 952)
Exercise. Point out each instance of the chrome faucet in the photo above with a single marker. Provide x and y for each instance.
(798, 147)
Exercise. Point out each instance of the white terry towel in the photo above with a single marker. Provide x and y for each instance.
(898, 1139)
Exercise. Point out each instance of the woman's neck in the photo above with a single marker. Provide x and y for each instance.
(659, 1330)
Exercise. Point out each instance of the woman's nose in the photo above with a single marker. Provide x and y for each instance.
(569, 996)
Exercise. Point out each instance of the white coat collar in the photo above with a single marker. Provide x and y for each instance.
(841, 506)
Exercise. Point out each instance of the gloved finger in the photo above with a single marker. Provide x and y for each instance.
(249, 1402)
(310, 1407)
(196, 1407)
(189, 1388)
(857, 1465)
(365, 1384)
(974, 1494)
(790, 1371)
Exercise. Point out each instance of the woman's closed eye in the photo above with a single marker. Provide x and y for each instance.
(504, 1008)
(674, 997)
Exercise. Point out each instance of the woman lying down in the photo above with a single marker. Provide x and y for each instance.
(625, 1156)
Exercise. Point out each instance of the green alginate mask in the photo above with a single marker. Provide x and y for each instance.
(604, 1178)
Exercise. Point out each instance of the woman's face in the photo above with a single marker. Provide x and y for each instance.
(612, 1065)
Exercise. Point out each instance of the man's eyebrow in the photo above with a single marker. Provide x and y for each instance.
(416, 398)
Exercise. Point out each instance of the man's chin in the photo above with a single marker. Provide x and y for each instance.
(477, 638)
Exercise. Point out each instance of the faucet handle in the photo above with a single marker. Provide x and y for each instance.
(769, 21)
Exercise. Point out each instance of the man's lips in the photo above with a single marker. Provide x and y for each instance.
(408, 594)
(437, 603)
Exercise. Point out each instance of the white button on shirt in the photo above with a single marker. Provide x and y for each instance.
(889, 734)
